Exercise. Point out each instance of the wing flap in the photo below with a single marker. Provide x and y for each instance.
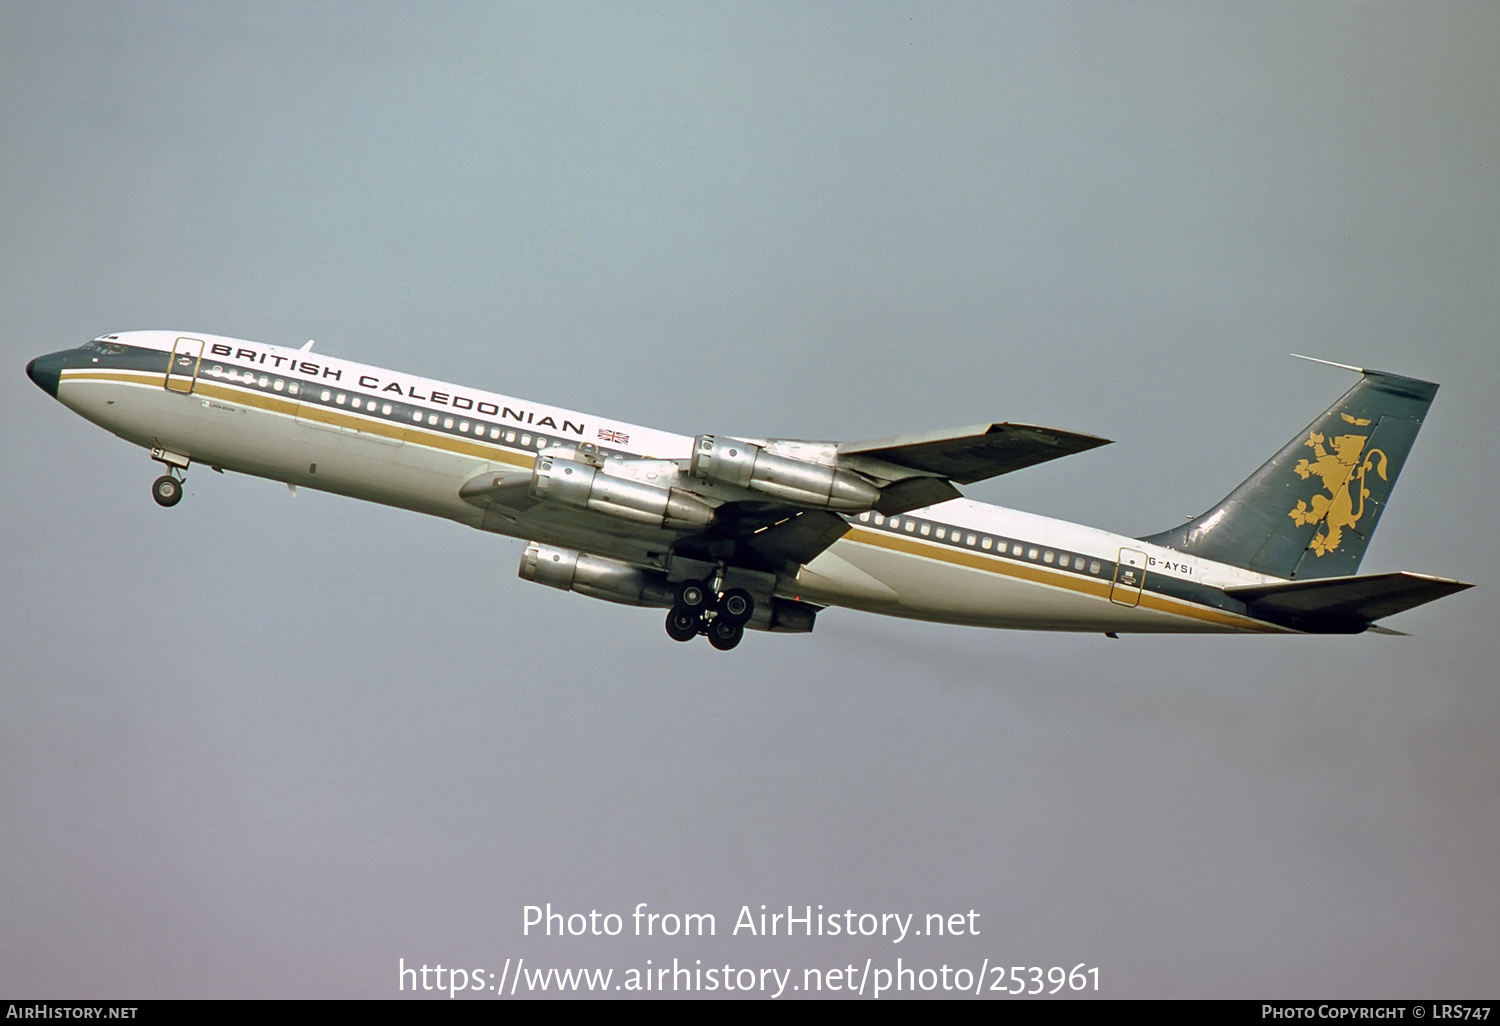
(914, 493)
(796, 538)
(966, 455)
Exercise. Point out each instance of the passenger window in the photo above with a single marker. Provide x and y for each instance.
(541, 443)
(864, 518)
(1063, 560)
(1031, 554)
(1094, 567)
(448, 422)
(264, 381)
(327, 395)
(278, 384)
(895, 523)
(355, 403)
(432, 419)
(942, 535)
(386, 410)
(879, 519)
(416, 415)
(969, 540)
(926, 530)
(525, 439)
(984, 543)
(911, 525)
(340, 398)
(510, 436)
(1048, 556)
(463, 425)
(1000, 547)
(293, 388)
(494, 432)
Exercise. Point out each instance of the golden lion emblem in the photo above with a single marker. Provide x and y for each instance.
(1341, 471)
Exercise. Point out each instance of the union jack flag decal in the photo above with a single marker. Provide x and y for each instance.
(618, 437)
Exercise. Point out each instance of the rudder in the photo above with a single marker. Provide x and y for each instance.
(1311, 509)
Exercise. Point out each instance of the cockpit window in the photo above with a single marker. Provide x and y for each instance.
(98, 345)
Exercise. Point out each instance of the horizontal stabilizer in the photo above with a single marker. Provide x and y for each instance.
(1345, 599)
(966, 455)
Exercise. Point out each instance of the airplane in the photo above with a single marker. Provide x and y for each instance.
(728, 534)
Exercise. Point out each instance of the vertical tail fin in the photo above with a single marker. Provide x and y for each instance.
(1311, 509)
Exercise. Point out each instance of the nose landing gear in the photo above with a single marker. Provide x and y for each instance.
(166, 490)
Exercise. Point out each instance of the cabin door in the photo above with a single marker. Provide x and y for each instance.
(1130, 574)
(182, 372)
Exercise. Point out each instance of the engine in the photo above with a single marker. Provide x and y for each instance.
(784, 617)
(594, 576)
(745, 465)
(613, 581)
(581, 485)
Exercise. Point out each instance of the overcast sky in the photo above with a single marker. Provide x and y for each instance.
(264, 746)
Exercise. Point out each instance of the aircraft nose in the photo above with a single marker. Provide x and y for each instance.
(46, 371)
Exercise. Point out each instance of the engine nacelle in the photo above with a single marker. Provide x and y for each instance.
(744, 465)
(582, 486)
(783, 616)
(594, 576)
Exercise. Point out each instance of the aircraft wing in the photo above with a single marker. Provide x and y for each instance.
(771, 531)
(966, 455)
(911, 471)
(764, 537)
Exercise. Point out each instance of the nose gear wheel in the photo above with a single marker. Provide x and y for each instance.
(166, 490)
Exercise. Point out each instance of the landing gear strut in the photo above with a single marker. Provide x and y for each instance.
(700, 608)
(167, 489)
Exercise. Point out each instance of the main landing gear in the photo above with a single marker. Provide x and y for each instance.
(700, 609)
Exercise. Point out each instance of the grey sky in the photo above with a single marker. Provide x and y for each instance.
(257, 746)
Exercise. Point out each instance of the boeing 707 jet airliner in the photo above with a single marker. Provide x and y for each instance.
(733, 533)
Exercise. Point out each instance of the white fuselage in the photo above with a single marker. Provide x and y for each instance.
(319, 422)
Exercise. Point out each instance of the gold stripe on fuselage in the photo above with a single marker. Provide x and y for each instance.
(414, 434)
(495, 453)
(1092, 587)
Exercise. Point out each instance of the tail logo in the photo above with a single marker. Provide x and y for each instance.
(1342, 472)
